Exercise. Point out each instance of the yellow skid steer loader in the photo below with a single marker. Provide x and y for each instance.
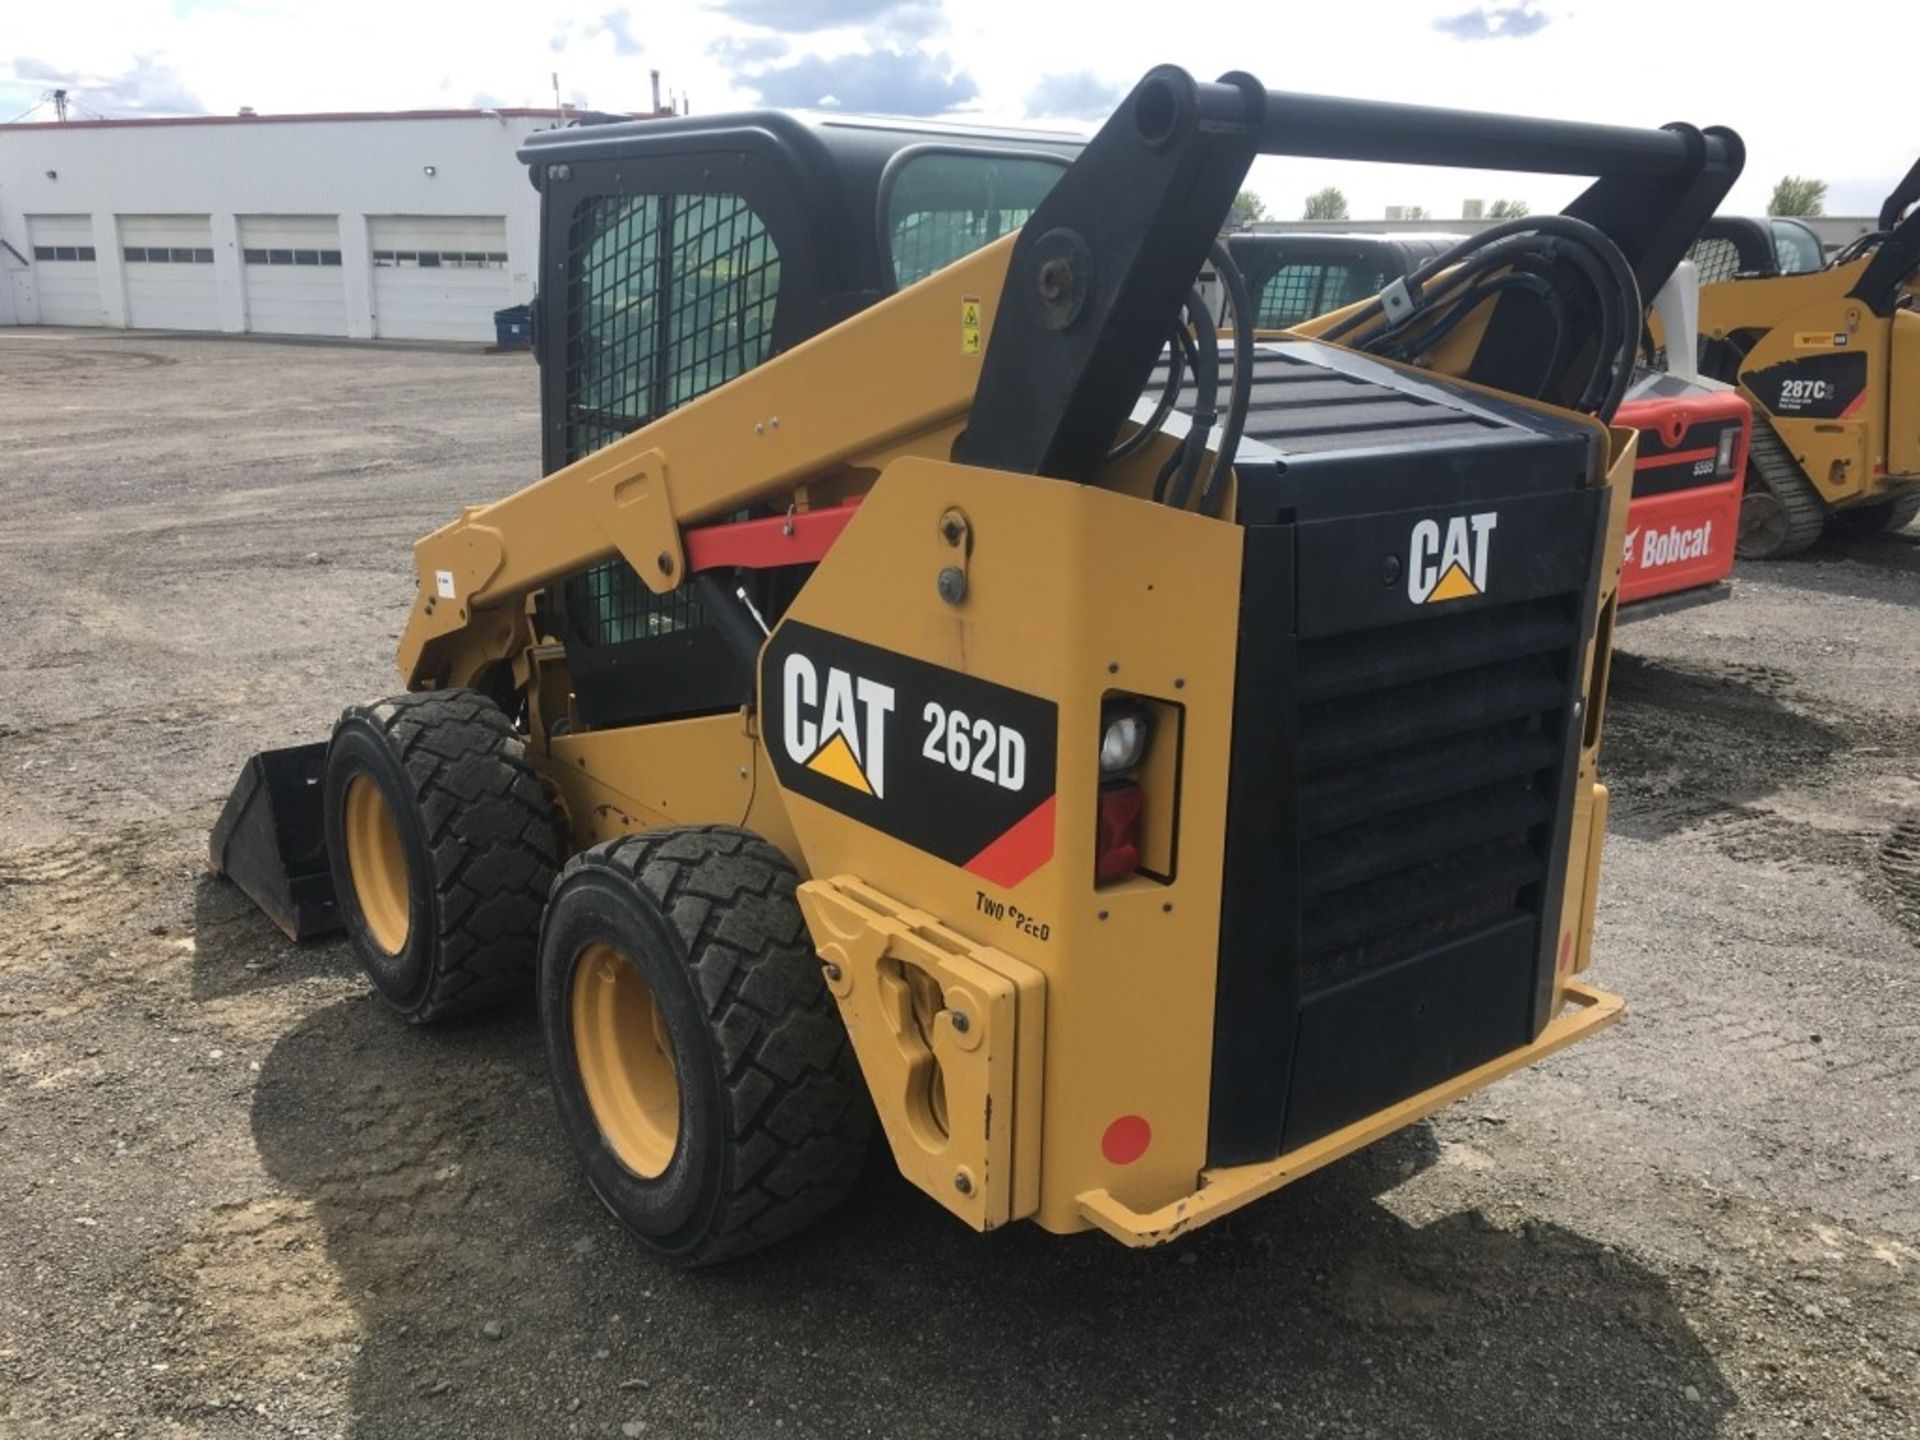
(1830, 358)
(942, 680)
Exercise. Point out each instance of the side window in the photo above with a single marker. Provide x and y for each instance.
(941, 207)
(668, 296)
(1717, 259)
(1797, 249)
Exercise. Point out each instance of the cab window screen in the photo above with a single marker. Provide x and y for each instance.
(1299, 292)
(668, 296)
(941, 207)
(1717, 259)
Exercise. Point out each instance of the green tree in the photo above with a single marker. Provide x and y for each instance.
(1416, 212)
(1247, 207)
(1507, 210)
(1798, 195)
(1327, 204)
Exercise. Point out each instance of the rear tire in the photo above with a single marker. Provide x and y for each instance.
(1884, 517)
(442, 846)
(701, 1069)
(1781, 513)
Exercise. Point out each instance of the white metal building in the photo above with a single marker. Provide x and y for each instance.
(406, 225)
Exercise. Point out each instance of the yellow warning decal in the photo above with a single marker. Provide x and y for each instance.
(1819, 339)
(1456, 584)
(836, 761)
(970, 325)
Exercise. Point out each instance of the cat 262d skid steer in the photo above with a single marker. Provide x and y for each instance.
(1137, 781)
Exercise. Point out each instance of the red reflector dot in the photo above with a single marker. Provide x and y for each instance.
(1126, 1139)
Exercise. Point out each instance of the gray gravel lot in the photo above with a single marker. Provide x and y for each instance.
(237, 1199)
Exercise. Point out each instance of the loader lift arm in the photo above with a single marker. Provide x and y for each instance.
(1079, 304)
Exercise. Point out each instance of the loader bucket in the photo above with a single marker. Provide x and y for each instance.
(271, 840)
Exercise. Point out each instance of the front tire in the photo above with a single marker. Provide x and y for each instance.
(442, 846)
(701, 1069)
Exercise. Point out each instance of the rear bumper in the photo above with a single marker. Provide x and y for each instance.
(1224, 1190)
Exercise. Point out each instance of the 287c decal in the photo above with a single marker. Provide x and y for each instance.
(951, 764)
(1817, 387)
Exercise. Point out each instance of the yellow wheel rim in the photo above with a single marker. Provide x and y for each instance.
(621, 1045)
(377, 864)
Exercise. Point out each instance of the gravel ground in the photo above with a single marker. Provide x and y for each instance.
(237, 1199)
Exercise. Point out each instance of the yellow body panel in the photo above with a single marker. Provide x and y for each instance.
(1072, 590)
(1903, 401)
(1849, 458)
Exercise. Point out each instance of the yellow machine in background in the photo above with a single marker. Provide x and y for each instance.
(942, 679)
(1830, 359)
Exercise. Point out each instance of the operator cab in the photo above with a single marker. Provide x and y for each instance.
(1752, 247)
(676, 254)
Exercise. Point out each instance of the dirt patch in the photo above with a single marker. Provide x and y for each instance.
(1687, 744)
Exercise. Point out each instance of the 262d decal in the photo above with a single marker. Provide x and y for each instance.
(951, 764)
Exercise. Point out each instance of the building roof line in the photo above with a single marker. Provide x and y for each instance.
(317, 117)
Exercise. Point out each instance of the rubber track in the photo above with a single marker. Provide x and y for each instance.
(798, 1113)
(491, 833)
(1784, 479)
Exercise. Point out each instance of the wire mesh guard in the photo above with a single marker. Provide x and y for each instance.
(1299, 292)
(668, 296)
(1716, 259)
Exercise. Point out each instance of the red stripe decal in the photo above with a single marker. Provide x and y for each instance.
(762, 544)
(1022, 848)
(1853, 406)
(1677, 457)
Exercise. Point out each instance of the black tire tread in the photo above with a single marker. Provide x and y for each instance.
(798, 1108)
(1883, 517)
(1781, 476)
(490, 831)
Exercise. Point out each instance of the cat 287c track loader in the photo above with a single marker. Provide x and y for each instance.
(1830, 357)
(909, 695)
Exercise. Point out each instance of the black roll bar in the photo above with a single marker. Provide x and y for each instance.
(1103, 265)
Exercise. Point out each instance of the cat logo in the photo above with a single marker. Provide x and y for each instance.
(1450, 564)
(839, 729)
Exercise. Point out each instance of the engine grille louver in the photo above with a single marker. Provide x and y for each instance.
(1429, 765)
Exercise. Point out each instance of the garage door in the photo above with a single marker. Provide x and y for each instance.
(290, 265)
(169, 260)
(65, 276)
(438, 277)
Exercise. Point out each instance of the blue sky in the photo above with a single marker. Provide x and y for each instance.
(1627, 61)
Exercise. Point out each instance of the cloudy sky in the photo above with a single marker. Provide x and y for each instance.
(1064, 63)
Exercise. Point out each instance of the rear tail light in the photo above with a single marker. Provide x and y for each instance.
(1723, 457)
(1124, 731)
(1116, 852)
